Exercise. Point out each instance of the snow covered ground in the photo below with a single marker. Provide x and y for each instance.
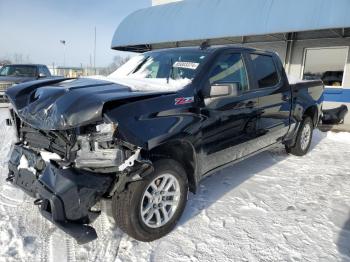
(272, 207)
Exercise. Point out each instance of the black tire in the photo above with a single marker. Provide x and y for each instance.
(126, 207)
(298, 149)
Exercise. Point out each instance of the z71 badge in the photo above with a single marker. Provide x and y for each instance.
(184, 100)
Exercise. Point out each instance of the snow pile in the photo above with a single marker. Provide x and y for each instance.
(147, 84)
(271, 207)
(141, 81)
(7, 137)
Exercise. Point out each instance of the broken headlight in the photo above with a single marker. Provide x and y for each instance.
(97, 149)
(106, 128)
(104, 135)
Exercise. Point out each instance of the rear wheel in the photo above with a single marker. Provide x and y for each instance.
(150, 208)
(304, 137)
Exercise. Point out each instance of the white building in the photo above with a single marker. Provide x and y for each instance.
(161, 2)
(311, 37)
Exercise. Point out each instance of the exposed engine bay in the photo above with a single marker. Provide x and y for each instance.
(95, 148)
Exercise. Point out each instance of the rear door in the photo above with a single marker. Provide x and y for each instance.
(274, 97)
(229, 124)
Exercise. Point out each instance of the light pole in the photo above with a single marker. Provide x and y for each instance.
(95, 52)
(63, 42)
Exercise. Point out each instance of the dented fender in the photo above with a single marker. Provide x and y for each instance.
(148, 124)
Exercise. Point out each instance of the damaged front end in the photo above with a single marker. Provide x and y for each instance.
(69, 171)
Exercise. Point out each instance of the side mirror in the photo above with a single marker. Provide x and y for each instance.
(229, 89)
(41, 75)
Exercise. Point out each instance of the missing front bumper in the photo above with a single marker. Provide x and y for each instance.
(64, 196)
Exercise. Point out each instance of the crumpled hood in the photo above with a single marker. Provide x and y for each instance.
(60, 104)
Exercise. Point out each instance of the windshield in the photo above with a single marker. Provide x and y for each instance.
(175, 65)
(18, 70)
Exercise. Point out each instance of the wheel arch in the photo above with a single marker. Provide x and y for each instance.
(312, 111)
(183, 152)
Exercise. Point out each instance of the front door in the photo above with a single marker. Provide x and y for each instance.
(229, 120)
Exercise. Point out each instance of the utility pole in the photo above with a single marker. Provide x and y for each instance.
(90, 65)
(95, 52)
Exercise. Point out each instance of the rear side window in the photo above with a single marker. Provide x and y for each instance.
(264, 70)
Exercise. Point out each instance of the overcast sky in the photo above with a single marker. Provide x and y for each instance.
(34, 28)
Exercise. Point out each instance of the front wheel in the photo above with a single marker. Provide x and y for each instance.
(304, 137)
(150, 208)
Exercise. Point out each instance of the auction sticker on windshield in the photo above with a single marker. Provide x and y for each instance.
(187, 65)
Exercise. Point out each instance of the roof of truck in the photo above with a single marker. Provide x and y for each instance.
(208, 49)
(25, 65)
(180, 23)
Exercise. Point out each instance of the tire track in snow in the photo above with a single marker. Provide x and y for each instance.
(59, 249)
(70, 249)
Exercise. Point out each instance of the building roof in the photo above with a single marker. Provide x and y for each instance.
(200, 20)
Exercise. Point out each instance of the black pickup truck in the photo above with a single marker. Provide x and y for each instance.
(151, 133)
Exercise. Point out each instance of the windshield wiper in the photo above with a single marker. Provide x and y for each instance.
(171, 70)
(139, 66)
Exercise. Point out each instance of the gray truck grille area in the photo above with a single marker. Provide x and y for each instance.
(3, 100)
(5, 86)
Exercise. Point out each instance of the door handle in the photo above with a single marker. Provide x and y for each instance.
(250, 104)
(285, 97)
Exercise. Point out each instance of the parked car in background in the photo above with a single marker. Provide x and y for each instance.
(332, 78)
(145, 138)
(19, 73)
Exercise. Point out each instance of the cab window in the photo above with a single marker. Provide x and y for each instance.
(42, 71)
(46, 70)
(264, 70)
